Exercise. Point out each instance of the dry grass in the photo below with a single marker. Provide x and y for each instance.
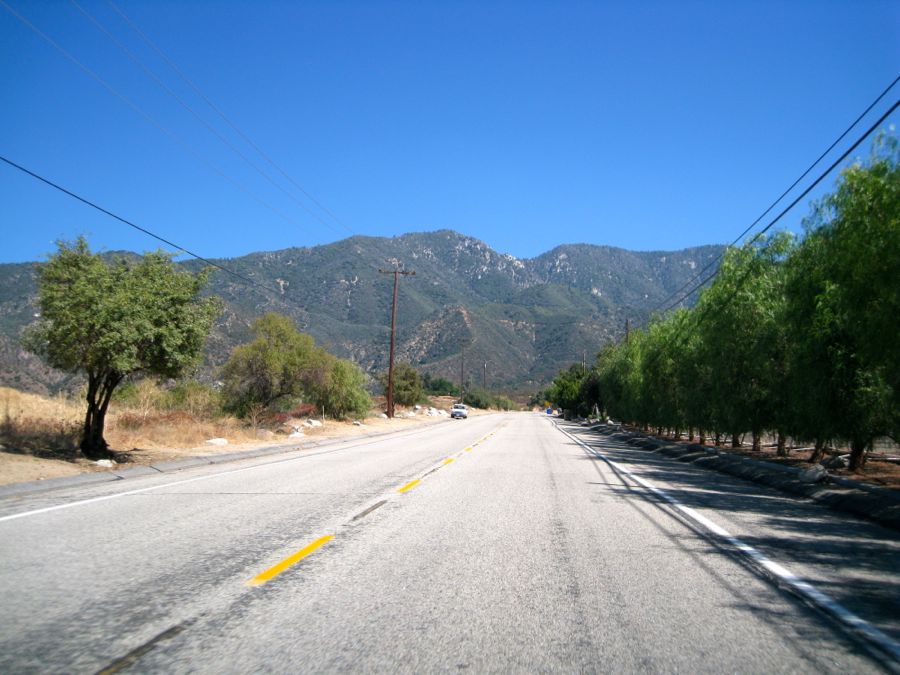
(51, 426)
(40, 426)
(39, 435)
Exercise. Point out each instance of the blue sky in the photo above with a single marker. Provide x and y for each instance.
(644, 125)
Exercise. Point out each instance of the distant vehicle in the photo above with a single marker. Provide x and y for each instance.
(459, 411)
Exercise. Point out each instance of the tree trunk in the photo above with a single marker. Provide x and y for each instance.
(99, 394)
(757, 441)
(782, 441)
(718, 440)
(701, 438)
(735, 441)
(818, 452)
(857, 454)
(690, 434)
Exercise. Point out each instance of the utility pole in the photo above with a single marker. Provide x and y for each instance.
(390, 389)
(484, 376)
(583, 361)
(462, 369)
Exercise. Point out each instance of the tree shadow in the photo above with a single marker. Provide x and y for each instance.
(854, 561)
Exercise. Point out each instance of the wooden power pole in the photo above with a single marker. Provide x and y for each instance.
(390, 388)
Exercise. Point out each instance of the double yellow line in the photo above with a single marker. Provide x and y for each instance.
(293, 559)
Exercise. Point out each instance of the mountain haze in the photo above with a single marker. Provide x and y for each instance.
(526, 318)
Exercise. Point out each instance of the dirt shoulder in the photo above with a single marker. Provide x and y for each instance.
(878, 470)
(20, 467)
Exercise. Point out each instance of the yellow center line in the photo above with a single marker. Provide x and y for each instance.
(469, 449)
(409, 486)
(275, 570)
(448, 460)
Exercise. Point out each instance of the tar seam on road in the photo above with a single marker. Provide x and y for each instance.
(804, 589)
(131, 657)
(290, 561)
(369, 510)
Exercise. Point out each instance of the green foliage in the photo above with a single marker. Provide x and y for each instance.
(282, 366)
(408, 389)
(438, 386)
(342, 393)
(278, 367)
(564, 392)
(479, 398)
(112, 320)
(798, 339)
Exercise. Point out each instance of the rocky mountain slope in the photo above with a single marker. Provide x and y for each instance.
(525, 318)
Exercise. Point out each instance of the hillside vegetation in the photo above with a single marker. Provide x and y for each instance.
(525, 318)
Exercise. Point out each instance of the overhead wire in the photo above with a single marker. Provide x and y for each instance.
(222, 115)
(162, 85)
(719, 257)
(134, 106)
(150, 233)
(803, 194)
(704, 312)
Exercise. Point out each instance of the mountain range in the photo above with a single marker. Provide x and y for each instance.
(466, 305)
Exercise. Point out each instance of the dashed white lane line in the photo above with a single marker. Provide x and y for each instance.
(803, 588)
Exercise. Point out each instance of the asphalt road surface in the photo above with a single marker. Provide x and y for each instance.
(493, 544)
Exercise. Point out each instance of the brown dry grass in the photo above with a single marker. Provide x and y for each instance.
(39, 435)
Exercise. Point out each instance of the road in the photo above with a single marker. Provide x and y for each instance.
(528, 552)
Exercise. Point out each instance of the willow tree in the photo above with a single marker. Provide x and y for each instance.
(843, 310)
(113, 319)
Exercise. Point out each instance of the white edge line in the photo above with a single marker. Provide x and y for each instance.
(803, 588)
(83, 502)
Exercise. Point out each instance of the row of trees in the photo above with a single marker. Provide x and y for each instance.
(798, 339)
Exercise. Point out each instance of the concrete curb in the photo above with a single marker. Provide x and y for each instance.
(171, 466)
(872, 502)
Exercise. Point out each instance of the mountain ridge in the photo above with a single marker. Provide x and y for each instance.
(526, 318)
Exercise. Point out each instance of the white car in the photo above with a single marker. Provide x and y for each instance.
(459, 411)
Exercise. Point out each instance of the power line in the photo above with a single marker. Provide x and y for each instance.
(211, 263)
(221, 114)
(803, 194)
(162, 85)
(771, 206)
(134, 106)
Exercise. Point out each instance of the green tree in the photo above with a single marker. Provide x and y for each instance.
(408, 389)
(860, 224)
(113, 320)
(342, 392)
(564, 391)
(842, 309)
(742, 337)
(438, 386)
(279, 367)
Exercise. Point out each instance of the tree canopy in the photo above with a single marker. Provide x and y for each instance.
(110, 320)
(282, 366)
(792, 338)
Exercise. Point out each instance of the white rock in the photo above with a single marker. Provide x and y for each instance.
(296, 434)
(313, 423)
(106, 463)
(814, 474)
(383, 416)
(217, 441)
